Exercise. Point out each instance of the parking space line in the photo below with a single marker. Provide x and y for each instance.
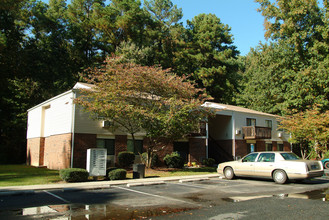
(56, 196)
(182, 184)
(154, 195)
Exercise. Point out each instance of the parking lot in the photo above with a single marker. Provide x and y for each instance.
(163, 199)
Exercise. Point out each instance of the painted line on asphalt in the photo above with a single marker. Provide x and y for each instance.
(56, 196)
(154, 195)
(188, 185)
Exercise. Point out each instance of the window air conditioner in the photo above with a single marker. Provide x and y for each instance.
(107, 124)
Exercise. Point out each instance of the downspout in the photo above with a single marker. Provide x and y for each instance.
(72, 127)
(207, 137)
(233, 133)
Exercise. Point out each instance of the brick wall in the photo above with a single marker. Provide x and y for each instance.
(57, 151)
(35, 151)
(260, 146)
(197, 149)
(82, 142)
(241, 148)
(120, 144)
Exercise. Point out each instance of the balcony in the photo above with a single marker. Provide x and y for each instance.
(255, 132)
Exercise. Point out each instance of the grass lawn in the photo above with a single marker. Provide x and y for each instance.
(18, 175)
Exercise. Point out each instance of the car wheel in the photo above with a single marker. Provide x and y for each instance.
(229, 173)
(326, 165)
(279, 176)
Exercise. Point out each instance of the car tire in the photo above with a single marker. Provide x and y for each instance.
(326, 165)
(280, 176)
(229, 173)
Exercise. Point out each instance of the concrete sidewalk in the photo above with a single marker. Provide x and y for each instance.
(30, 189)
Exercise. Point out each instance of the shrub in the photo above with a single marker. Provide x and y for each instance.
(109, 170)
(174, 160)
(126, 158)
(74, 175)
(117, 174)
(155, 159)
(208, 162)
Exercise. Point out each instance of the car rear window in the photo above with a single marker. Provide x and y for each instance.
(289, 156)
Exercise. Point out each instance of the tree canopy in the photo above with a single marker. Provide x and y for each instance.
(144, 99)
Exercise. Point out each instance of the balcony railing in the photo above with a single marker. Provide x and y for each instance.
(255, 132)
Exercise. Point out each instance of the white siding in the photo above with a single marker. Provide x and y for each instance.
(51, 117)
(34, 123)
(241, 121)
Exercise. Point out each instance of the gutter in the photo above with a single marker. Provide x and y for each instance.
(72, 127)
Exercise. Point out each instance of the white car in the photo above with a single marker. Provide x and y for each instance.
(276, 165)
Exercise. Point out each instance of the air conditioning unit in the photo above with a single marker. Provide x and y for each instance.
(107, 123)
(237, 131)
(280, 134)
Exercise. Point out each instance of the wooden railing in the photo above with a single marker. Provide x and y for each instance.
(255, 132)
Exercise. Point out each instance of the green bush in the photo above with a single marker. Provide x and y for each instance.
(117, 174)
(126, 158)
(174, 160)
(74, 175)
(209, 162)
(155, 159)
(109, 169)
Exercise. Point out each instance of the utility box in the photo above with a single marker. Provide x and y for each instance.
(96, 161)
(138, 171)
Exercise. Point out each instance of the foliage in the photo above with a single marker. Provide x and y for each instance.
(309, 128)
(209, 162)
(126, 158)
(74, 175)
(139, 98)
(174, 160)
(289, 73)
(150, 162)
(117, 174)
(43, 47)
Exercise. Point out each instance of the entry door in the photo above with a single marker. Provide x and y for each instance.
(183, 149)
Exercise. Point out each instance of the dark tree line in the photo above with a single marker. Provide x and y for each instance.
(44, 46)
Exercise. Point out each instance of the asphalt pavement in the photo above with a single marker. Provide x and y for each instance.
(28, 189)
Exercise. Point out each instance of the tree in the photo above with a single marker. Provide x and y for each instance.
(150, 99)
(212, 57)
(309, 129)
(291, 71)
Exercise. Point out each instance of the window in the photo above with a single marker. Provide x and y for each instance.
(109, 144)
(280, 147)
(251, 122)
(290, 156)
(138, 146)
(250, 157)
(266, 157)
(268, 147)
(268, 124)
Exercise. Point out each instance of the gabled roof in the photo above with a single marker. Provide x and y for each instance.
(220, 106)
(81, 85)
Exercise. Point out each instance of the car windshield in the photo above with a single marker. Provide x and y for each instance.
(289, 156)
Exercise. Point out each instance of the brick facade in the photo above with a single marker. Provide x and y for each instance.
(120, 143)
(197, 149)
(82, 142)
(35, 151)
(57, 151)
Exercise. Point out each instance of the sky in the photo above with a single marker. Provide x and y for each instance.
(241, 15)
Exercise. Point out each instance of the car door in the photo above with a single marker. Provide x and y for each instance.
(246, 166)
(265, 165)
